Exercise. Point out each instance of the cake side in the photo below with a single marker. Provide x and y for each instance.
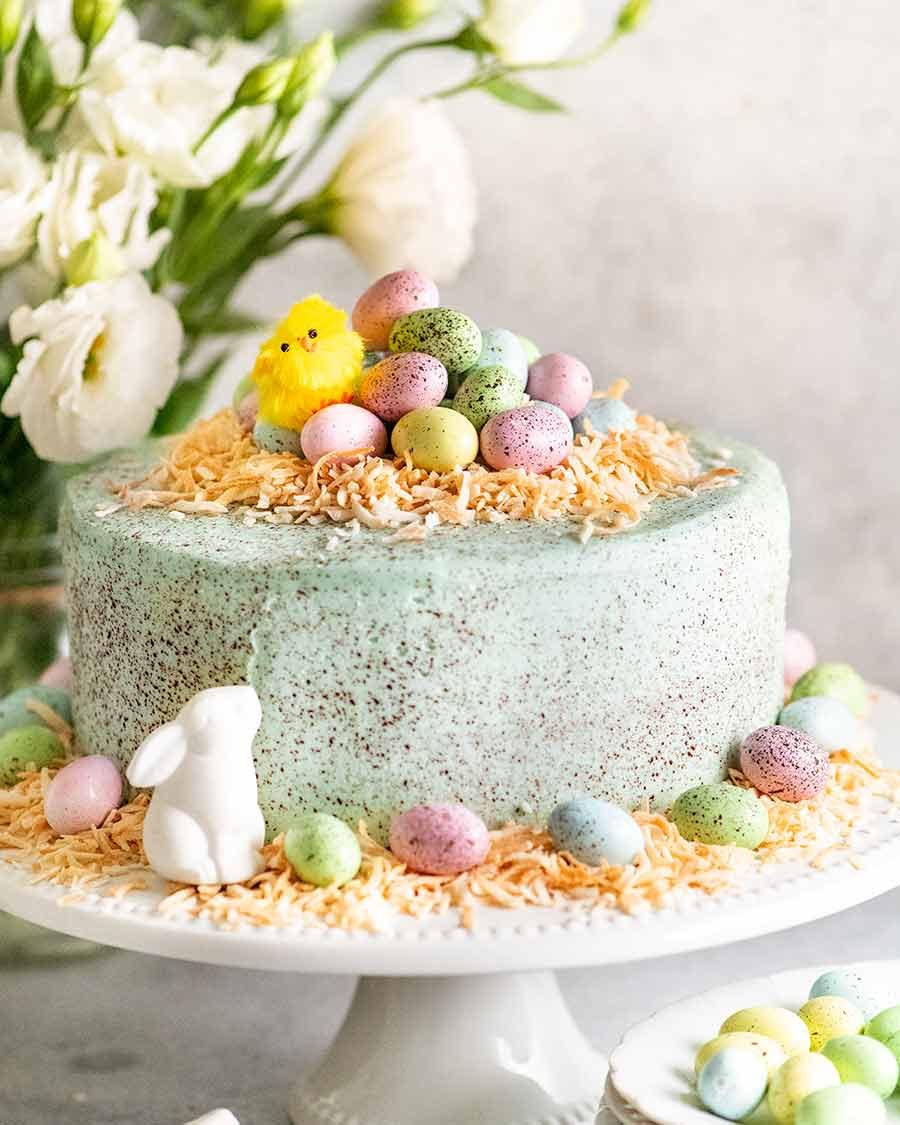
(505, 666)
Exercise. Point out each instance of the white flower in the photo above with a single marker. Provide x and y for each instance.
(22, 181)
(54, 24)
(531, 31)
(91, 193)
(97, 365)
(155, 103)
(403, 195)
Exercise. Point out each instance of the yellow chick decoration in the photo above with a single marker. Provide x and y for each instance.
(311, 360)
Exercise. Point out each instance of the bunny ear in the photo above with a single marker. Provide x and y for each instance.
(158, 756)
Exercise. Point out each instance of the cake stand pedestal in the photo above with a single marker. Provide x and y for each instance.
(457, 1027)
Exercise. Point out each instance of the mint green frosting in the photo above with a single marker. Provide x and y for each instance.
(505, 666)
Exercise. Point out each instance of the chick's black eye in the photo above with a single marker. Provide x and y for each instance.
(312, 333)
(285, 347)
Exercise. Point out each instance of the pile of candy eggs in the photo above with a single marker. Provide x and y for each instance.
(834, 1062)
(442, 391)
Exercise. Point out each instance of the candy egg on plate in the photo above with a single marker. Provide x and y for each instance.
(733, 1083)
(721, 814)
(386, 300)
(439, 839)
(848, 1104)
(839, 681)
(799, 1077)
(15, 710)
(780, 1024)
(828, 722)
(277, 439)
(799, 656)
(605, 415)
(531, 438)
(502, 348)
(827, 1017)
(861, 988)
(530, 348)
(22, 747)
(884, 1024)
(858, 1058)
(771, 1052)
(784, 763)
(437, 439)
(341, 428)
(83, 794)
(322, 850)
(401, 383)
(447, 334)
(595, 831)
(562, 379)
(487, 391)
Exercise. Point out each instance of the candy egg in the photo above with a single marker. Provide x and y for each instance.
(322, 850)
(15, 712)
(530, 348)
(439, 839)
(839, 681)
(530, 437)
(604, 416)
(593, 831)
(799, 1077)
(562, 379)
(58, 674)
(733, 1083)
(828, 722)
(799, 656)
(248, 411)
(861, 990)
(277, 439)
(401, 383)
(828, 1017)
(858, 1058)
(885, 1024)
(487, 391)
(849, 1104)
(771, 1053)
(722, 814)
(26, 746)
(784, 763)
(340, 428)
(502, 348)
(448, 335)
(83, 794)
(437, 439)
(386, 300)
(780, 1024)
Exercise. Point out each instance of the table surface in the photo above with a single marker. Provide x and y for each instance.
(127, 1039)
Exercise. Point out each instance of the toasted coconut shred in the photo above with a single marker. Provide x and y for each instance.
(522, 868)
(606, 483)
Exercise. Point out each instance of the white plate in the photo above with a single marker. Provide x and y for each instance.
(651, 1072)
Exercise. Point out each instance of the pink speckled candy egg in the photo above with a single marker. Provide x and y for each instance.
(799, 656)
(784, 763)
(248, 411)
(386, 300)
(58, 674)
(402, 383)
(342, 427)
(530, 437)
(561, 379)
(83, 794)
(439, 839)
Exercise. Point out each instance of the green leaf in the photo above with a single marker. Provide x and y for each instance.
(186, 401)
(227, 322)
(35, 85)
(516, 93)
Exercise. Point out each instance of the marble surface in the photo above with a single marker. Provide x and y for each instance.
(132, 1040)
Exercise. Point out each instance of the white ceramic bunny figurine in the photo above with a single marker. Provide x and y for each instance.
(217, 1117)
(204, 824)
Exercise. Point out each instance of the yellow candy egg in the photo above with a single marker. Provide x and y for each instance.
(783, 1026)
(771, 1053)
(796, 1079)
(827, 1017)
(436, 438)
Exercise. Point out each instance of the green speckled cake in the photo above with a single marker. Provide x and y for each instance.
(504, 663)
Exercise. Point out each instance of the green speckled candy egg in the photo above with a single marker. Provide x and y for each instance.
(14, 710)
(437, 439)
(487, 391)
(25, 746)
(721, 814)
(866, 1061)
(841, 1105)
(322, 850)
(448, 335)
(530, 348)
(839, 681)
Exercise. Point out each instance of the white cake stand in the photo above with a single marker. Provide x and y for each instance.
(449, 1027)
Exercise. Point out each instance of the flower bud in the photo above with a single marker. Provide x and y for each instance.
(313, 66)
(93, 18)
(94, 259)
(406, 14)
(10, 24)
(261, 15)
(264, 84)
(631, 14)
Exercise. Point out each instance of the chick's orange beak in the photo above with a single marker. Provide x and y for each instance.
(308, 344)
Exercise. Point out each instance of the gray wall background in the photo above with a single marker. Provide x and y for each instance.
(718, 220)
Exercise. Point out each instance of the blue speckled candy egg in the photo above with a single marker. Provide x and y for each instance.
(487, 391)
(448, 335)
(733, 1083)
(502, 348)
(828, 722)
(604, 416)
(14, 711)
(277, 439)
(861, 989)
(593, 831)
(721, 814)
(784, 763)
(848, 1104)
(839, 681)
(401, 383)
(530, 437)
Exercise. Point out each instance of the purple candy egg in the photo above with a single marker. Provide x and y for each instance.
(532, 438)
(784, 763)
(439, 839)
(248, 411)
(386, 300)
(83, 794)
(799, 656)
(340, 428)
(402, 383)
(561, 379)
